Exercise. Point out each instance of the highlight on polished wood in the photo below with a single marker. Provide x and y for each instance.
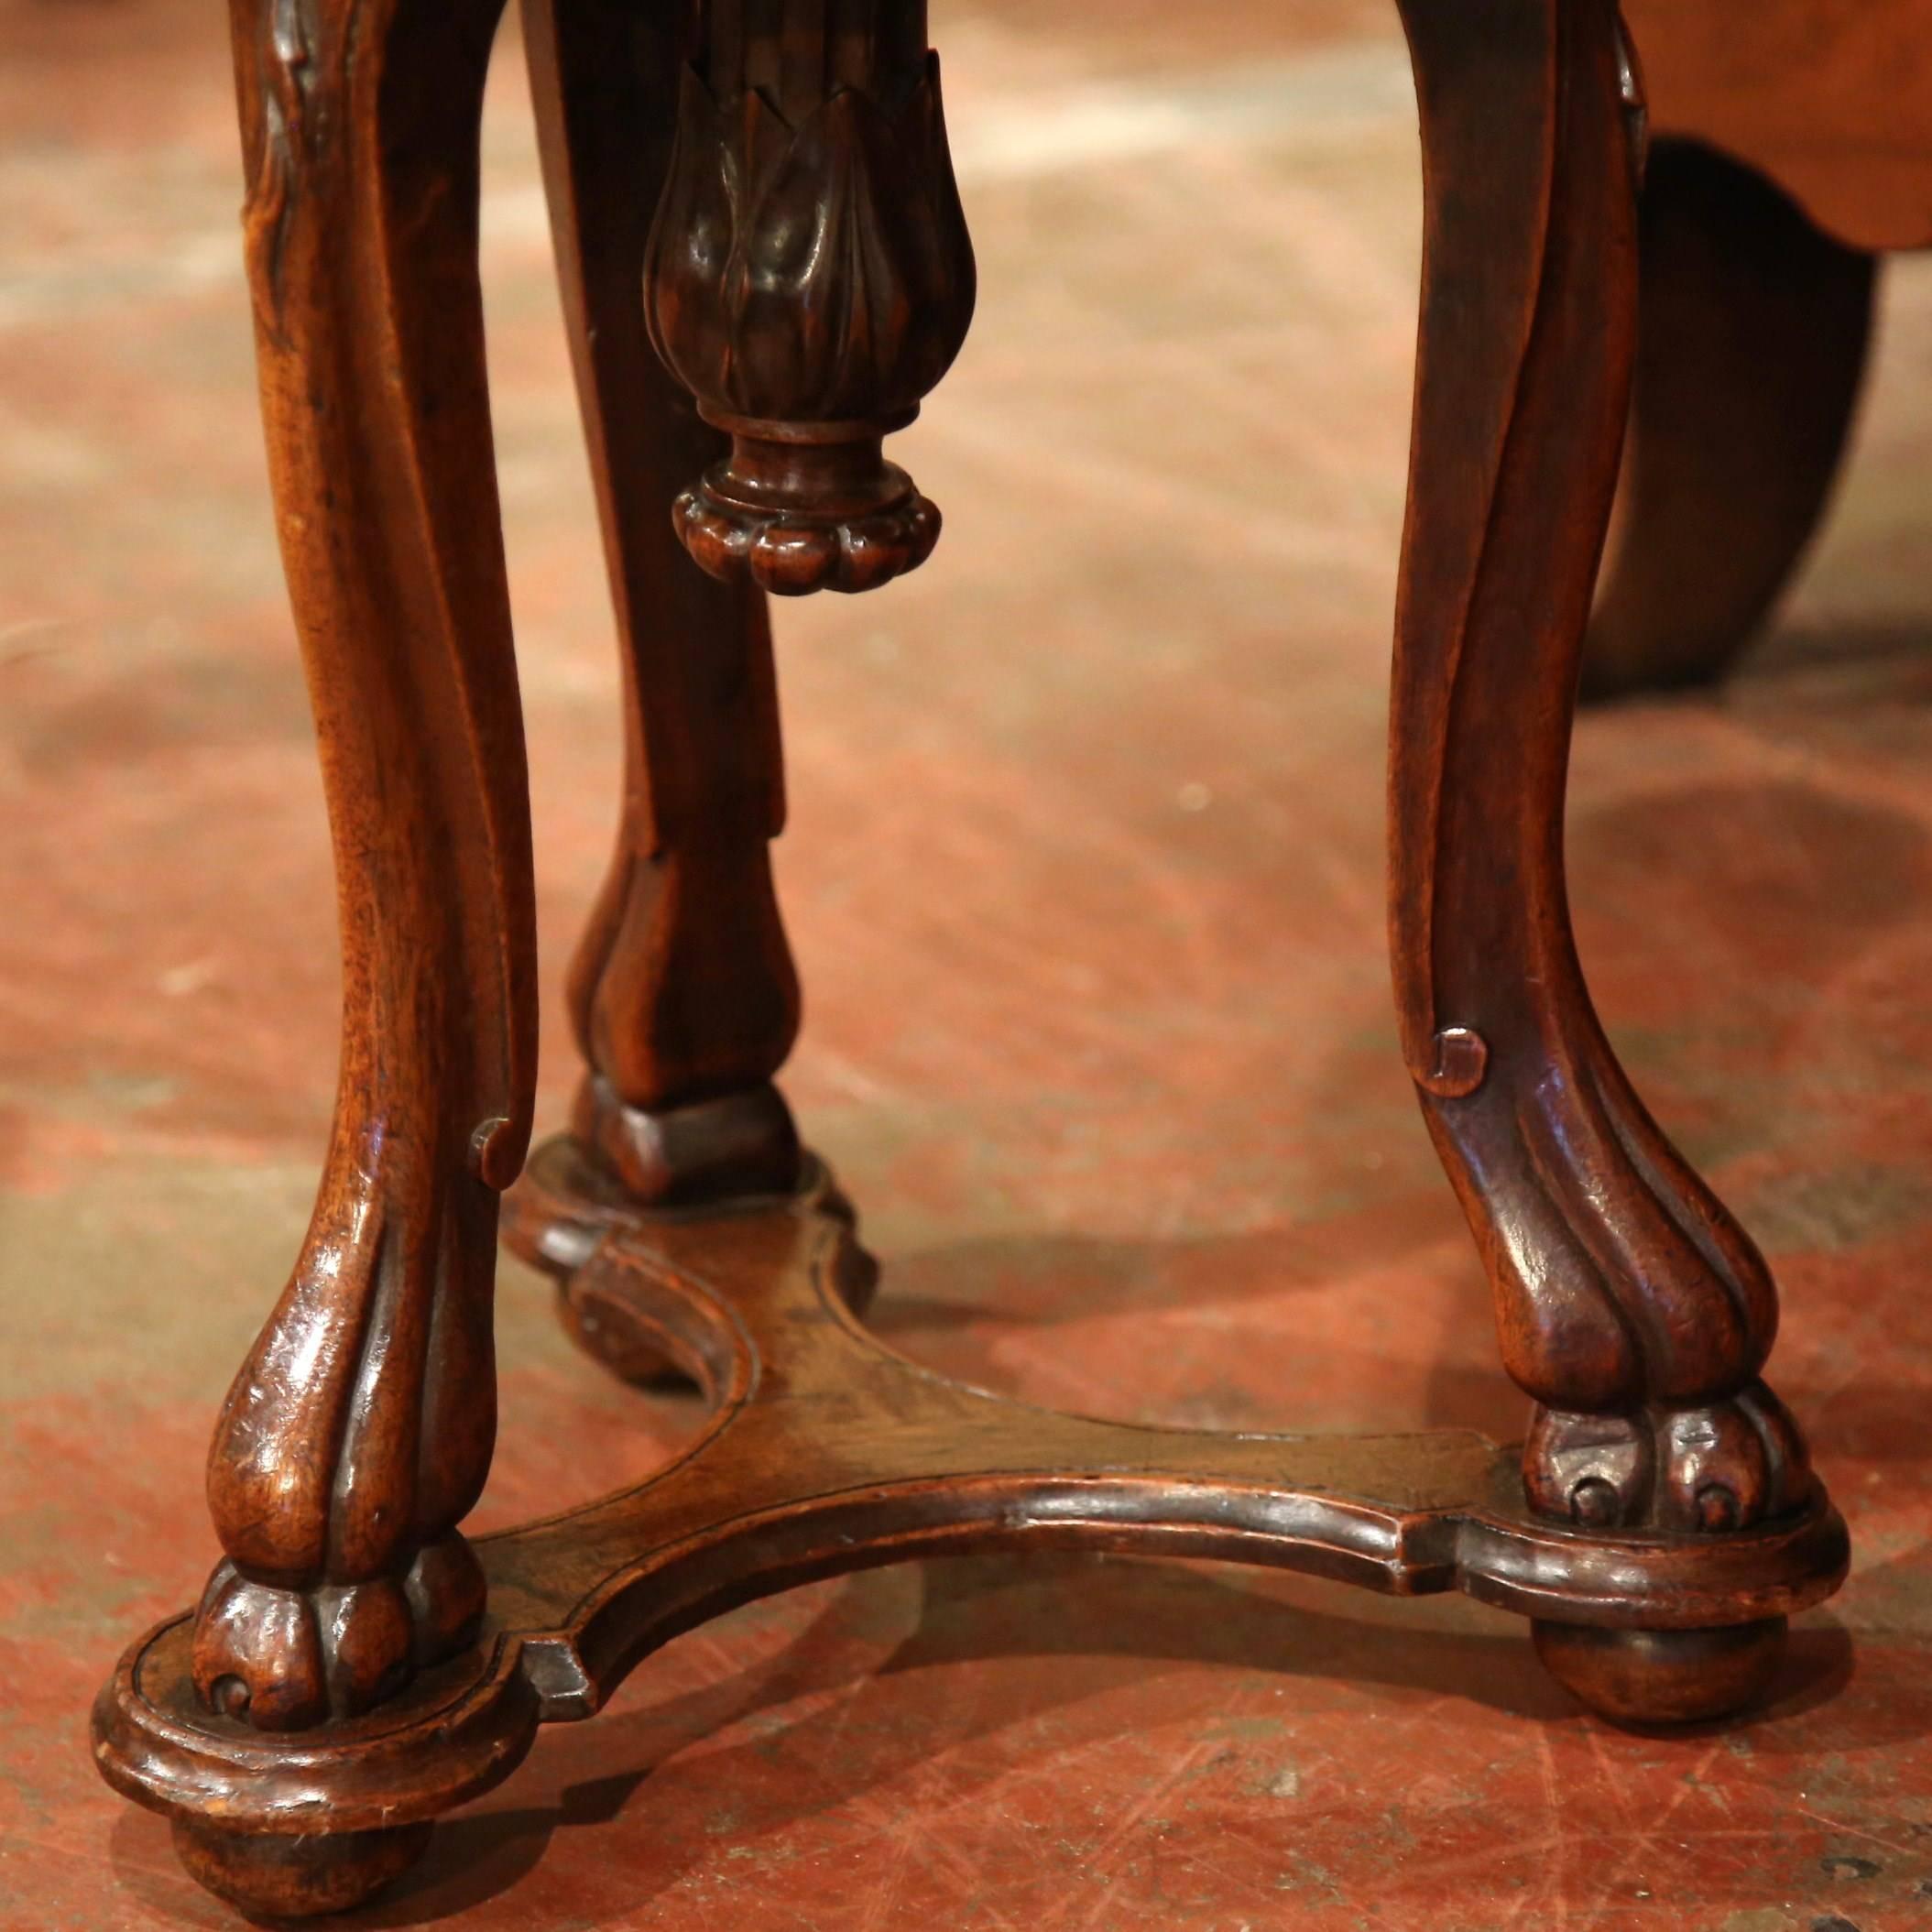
(825, 1452)
(810, 280)
(765, 270)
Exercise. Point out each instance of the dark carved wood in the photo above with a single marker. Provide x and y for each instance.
(825, 1452)
(1631, 1307)
(809, 280)
(356, 1669)
(1751, 345)
(683, 991)
(358, 1431)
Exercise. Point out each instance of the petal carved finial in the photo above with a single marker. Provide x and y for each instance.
(810, 280)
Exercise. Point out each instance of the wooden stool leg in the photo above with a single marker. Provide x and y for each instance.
(1631, 1307)
(359, 1430)
(682, 991)
(1752, 342)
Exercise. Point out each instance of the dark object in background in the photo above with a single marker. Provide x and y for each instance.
(1792, 151)
(1750, 348)
(355, 1669)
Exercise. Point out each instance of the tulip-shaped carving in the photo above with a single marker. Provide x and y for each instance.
(809, 279)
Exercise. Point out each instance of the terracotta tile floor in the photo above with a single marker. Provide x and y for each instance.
(1082, 873)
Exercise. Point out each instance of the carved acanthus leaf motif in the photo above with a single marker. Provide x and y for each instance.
(812, 273)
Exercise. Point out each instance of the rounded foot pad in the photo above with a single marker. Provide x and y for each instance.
(1663, 1677)
(273, 1876)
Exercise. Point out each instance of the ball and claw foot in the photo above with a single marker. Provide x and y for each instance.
(273, 1876)
(1663, 1677)
(1700, 1469)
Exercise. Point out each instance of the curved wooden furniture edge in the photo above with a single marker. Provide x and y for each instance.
(455, 1733)
(1831, 102)
(827, 1452)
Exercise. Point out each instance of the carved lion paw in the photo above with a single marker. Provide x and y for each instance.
(1706, 1467)
(284, 1659)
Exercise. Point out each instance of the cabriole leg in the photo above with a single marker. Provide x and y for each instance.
(358, 1431)
(682, 991)
(1632, 1308)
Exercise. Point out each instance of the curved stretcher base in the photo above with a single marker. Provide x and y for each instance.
(825, 1452)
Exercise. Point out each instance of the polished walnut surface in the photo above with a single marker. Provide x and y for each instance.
(1459, 1069)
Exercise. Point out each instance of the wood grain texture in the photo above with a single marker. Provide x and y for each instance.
(356, 1669)
(827, 1452)
(1631, 1307)
(810, 280)
(358, 1431)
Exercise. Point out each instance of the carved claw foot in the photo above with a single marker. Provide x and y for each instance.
(1708, 1468)
(1704, 1468)
(1630, 1306)
(283, 1659)
(1633, 1307)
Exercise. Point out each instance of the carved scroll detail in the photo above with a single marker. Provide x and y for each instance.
(1632, 1306)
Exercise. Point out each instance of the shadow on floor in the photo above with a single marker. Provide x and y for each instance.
(1133, 1620)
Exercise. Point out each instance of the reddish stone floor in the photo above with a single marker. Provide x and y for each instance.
(1082, 873)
